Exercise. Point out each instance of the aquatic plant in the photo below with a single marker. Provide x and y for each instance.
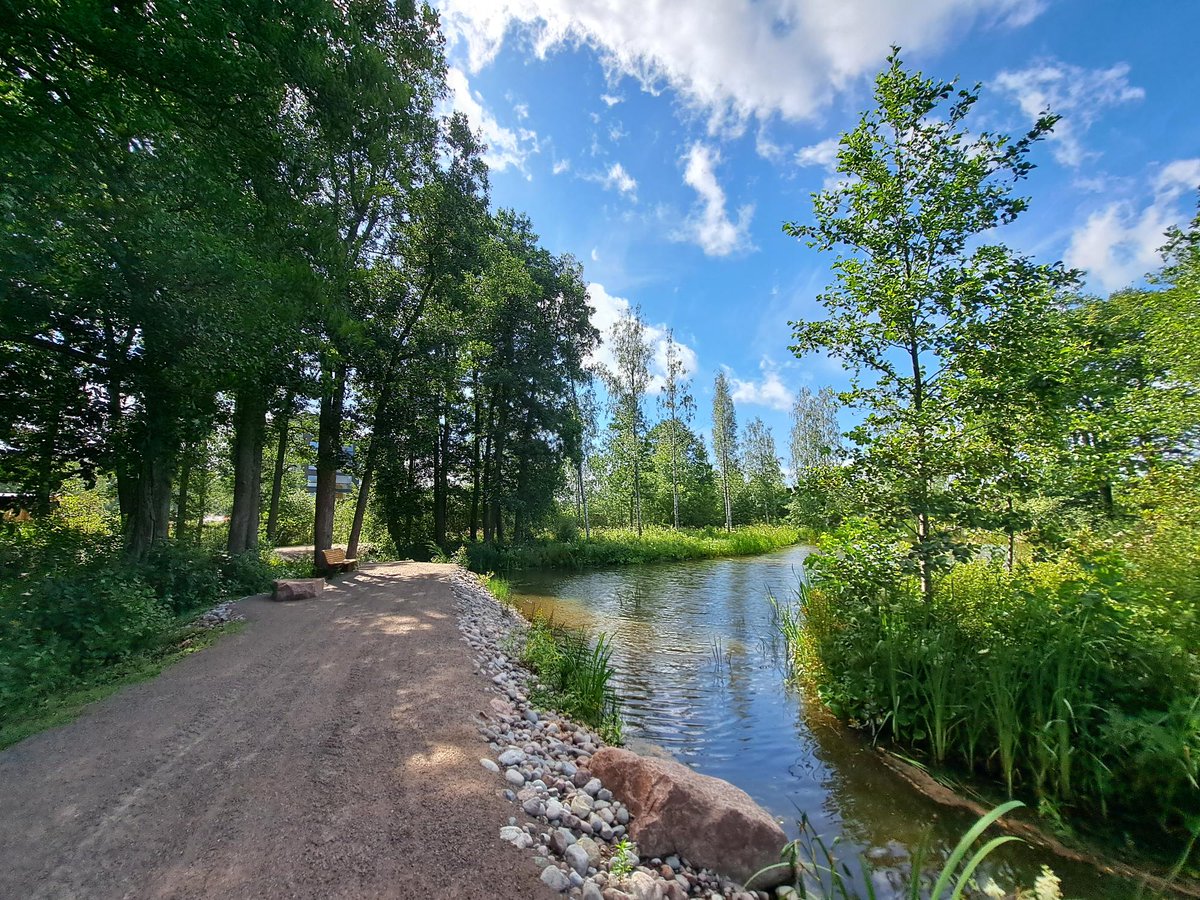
(815, 869)
(574, 673)
(1065, 681)
(618, 546)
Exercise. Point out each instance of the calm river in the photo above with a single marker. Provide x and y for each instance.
(702, 675)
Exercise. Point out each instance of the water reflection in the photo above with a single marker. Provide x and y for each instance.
(701, 670)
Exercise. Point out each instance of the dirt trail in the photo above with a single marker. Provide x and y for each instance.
(326, 750)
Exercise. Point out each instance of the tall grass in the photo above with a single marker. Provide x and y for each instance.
(574, 673)
(1063, 681)
(817, 870)
(617, 547)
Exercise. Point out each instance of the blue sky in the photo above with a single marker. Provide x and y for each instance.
(664, 142)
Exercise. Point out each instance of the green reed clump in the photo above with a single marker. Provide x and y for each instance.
(1067, 682)
(622, 546)
(816, 868)
(575, 674)
(500, 588)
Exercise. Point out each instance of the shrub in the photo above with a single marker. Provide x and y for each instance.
(1073, 682)
(574, 674)
(183, 576)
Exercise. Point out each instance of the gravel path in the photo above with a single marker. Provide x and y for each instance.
(326, 750)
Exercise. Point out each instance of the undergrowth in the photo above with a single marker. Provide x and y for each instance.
(618, 547)
(574, 675)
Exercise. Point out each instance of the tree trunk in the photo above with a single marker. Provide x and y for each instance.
(475, 455)
(675, 471)
(202, 493)
(441, 481)
(181, 501)
(368, 473)
(637, 477)
(725, 492)
(486, 491)
(281, 426)
(249, 417)
(587, 530)
(329, 454)
(150, 518)
(45, 471)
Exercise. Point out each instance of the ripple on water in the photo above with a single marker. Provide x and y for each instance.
(701, 672)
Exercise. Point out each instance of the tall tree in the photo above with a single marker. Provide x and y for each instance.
(815, 437)
(724, 437)
(677, 404)
(915, 285)
(761, 469)
(628, 381)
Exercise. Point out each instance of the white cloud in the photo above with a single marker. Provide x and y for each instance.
(769, 391)
(506, 147)
(1078, 95)
(765, 147)
(611, 99)
(617, 178)
(709, 226)
(1120, 243)
(823, 154)
(561, 165)
(730, 59)
(607, 310)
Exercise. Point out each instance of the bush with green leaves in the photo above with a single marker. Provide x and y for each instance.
(574, 673)
(1073, 682)
(623, 546)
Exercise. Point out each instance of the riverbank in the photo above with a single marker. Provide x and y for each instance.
(324, 749)
(623, 547)
(563, 816)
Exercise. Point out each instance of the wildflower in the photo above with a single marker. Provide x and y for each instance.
(1047, 886)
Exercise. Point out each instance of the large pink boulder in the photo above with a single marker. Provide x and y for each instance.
(298, 588)
(707, 821)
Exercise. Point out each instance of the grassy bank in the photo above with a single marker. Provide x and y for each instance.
(1073, 683)
(63, 703)
(620, 547)
(77, 619)
(572, 667)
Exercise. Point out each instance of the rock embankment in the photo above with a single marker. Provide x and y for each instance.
(577, 831)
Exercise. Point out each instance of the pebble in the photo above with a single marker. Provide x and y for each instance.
(513, 756)
(556, 879)
(560, 840)
(577, 858)
(544, 759)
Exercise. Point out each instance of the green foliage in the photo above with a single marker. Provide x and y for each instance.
(84, 608)
(294, 527)
(918, 306)
(573, 673)
(1072, 682)
(619, 547)
(813, 865)
(621, 862)
(500, 588)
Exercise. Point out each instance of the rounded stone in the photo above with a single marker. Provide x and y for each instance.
(556, 879)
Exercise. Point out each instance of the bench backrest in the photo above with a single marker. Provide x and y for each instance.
(333, 557)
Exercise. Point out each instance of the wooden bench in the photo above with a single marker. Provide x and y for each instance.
(337, 561)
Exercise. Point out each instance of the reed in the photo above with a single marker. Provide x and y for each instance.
(1064, 682)
(575, 674)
